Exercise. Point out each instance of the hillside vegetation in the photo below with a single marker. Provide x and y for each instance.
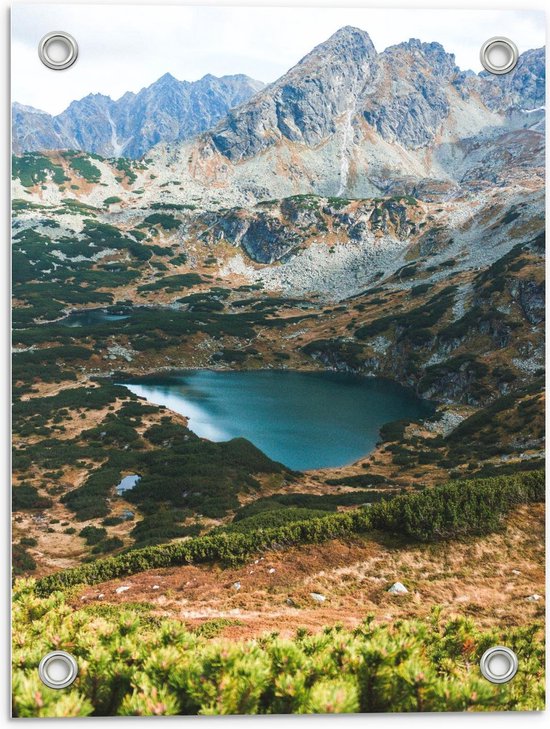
(134, 664)
(457, 509)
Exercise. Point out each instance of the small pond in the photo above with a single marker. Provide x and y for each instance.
(127, 483)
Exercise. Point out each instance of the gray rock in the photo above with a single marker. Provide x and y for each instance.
(317, 597)
(398, 588)
(304, 104)
(523, 88)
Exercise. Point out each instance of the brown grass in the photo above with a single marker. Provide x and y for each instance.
(487, 578)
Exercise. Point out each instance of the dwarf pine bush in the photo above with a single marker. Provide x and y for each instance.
(131, 663)
(454, 510)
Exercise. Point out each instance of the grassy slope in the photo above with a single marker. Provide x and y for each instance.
(453, 510)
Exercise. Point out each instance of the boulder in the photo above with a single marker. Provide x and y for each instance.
(398, 588)
(317, 597)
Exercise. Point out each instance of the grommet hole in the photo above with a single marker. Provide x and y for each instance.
(499, 665)
(58, 669)
(58, 50)
(499, 55)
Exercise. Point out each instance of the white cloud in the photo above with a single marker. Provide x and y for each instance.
(124, 47)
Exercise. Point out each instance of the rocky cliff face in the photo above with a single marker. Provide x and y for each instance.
(523, 89)
(348, 121)
(304, 105)
(405, 94)
(168, 110)
(270, 231)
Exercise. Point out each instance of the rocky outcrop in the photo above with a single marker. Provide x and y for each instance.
(270, 231)
(530, 296)
(264, 238)
(521, 89)
(412, 98)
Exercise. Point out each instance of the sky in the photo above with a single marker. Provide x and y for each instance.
(124, 48)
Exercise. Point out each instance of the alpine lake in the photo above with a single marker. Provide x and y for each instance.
(305, 420)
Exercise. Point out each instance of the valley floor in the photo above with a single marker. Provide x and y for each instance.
(489, 579)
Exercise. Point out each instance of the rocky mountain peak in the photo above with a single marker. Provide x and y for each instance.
(167, 83)
(417, 56)
(348, 52)
(306, 103)
(17, 107)
(167, 78)
(406, 95)
(346, 39)
(521, 89)
(95, 99)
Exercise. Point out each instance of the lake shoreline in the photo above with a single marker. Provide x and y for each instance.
(307, 420)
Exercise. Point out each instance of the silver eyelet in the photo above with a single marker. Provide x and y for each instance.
(58, 37)
(499, 664)
(499, 45)
(58, 669)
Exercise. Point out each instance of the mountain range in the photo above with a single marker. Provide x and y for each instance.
(404, 115)
(347, 120)
(168, 110)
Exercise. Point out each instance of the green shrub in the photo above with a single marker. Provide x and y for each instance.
(272, 518)
(453, 510)
(140, 665)
(457, 509)
(92, 535)
(107, 545)
(34, 168)
(168, 222)
(80, 163)
(27, 497)
(21, 561)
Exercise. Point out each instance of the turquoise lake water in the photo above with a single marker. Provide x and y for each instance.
(305, 420)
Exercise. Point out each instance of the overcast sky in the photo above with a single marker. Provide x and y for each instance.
(124, 48)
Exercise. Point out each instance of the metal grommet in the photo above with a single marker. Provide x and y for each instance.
(499, 55)
(51, 44)
(58, 669)
(499, 664)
